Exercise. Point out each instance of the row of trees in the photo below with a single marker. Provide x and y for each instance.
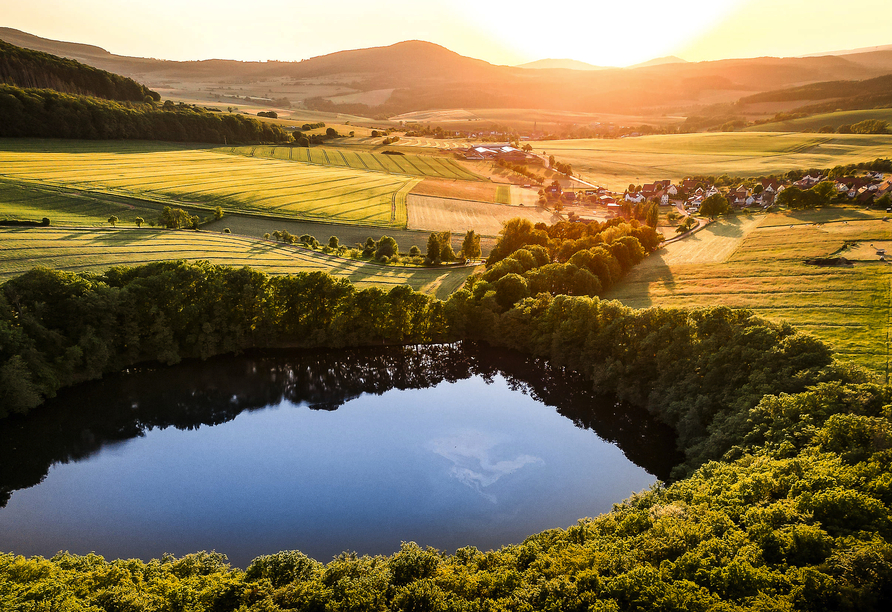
(44, 113)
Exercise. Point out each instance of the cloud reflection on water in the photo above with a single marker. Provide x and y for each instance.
(475, 461)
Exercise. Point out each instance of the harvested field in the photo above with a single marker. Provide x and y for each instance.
(77, 250)
(441, 214)
(462, 190)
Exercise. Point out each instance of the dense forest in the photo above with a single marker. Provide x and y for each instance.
(44, 113)
(34, 69)
(781, 502)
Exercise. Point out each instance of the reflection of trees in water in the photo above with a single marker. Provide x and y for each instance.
(83, 419)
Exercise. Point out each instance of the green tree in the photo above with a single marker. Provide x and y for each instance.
(470, 246)
(433, 247)
(112, 220)
(387, 247)
(218, 213)
(714, 206)
(333, 242)
(140, 221)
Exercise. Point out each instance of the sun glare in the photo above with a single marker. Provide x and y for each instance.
(601, 33)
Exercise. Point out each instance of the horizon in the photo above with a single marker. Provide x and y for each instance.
(727, 29)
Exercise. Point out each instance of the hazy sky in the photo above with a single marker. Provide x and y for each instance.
(614, 32)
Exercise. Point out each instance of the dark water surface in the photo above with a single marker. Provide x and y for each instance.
(448, 446)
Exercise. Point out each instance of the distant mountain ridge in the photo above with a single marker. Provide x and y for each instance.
(660, 61)
(560, 64)
(425, 76)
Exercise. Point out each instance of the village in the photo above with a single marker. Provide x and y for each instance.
(583, 200)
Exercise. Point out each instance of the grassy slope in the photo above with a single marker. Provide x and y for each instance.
(64, 206)
(643, 159)
(816, 122)
(764, 270)
(181, 175)
(98, 249)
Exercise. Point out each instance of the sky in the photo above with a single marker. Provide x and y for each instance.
(606, 33)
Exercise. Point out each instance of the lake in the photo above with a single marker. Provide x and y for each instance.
(445, 445)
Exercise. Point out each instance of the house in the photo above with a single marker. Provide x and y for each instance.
(808, 181)
(606, 200)
(570, 196)
(672, 190)
(554, 190)
(634, 197)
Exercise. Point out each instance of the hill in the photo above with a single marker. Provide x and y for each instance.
(562, 64)
(669, 59)
(28, 68)
(425, 76)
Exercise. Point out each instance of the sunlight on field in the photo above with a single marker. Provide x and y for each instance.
(712, 244)
(204, 177)
(410, 165)
(849, 307)
(619, 162)
(76, 250)
(441, 214)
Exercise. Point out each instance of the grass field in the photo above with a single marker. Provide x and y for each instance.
(848, 307)
(436, 214)
(178, 175)
(425, 166)
(348, 235)
(816, 122)
(619, 162)
(99, 249)
(64, 206)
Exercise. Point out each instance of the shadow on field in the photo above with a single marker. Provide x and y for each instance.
(634, 289)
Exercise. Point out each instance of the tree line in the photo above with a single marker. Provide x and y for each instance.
(34, 69)
(44, 113)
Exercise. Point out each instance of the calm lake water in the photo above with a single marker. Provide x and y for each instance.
(448, 446)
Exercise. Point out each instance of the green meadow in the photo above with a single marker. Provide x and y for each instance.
(764, 269)
(202, 177)
(425, 166)
(619, 162)
(97, 249)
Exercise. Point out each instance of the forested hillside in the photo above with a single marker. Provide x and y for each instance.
(44, 113)
(27, 68)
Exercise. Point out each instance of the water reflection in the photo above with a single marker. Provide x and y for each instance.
(85, 419)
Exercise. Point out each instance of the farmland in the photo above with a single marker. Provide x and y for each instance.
(96, 249)
(358, 159)
(182, 176)
(348, 235)
(848, 307)
(441, 214)
(65, 206)
(816, 122)
(619, 162)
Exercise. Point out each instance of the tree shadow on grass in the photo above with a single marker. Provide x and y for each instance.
(634, 289)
